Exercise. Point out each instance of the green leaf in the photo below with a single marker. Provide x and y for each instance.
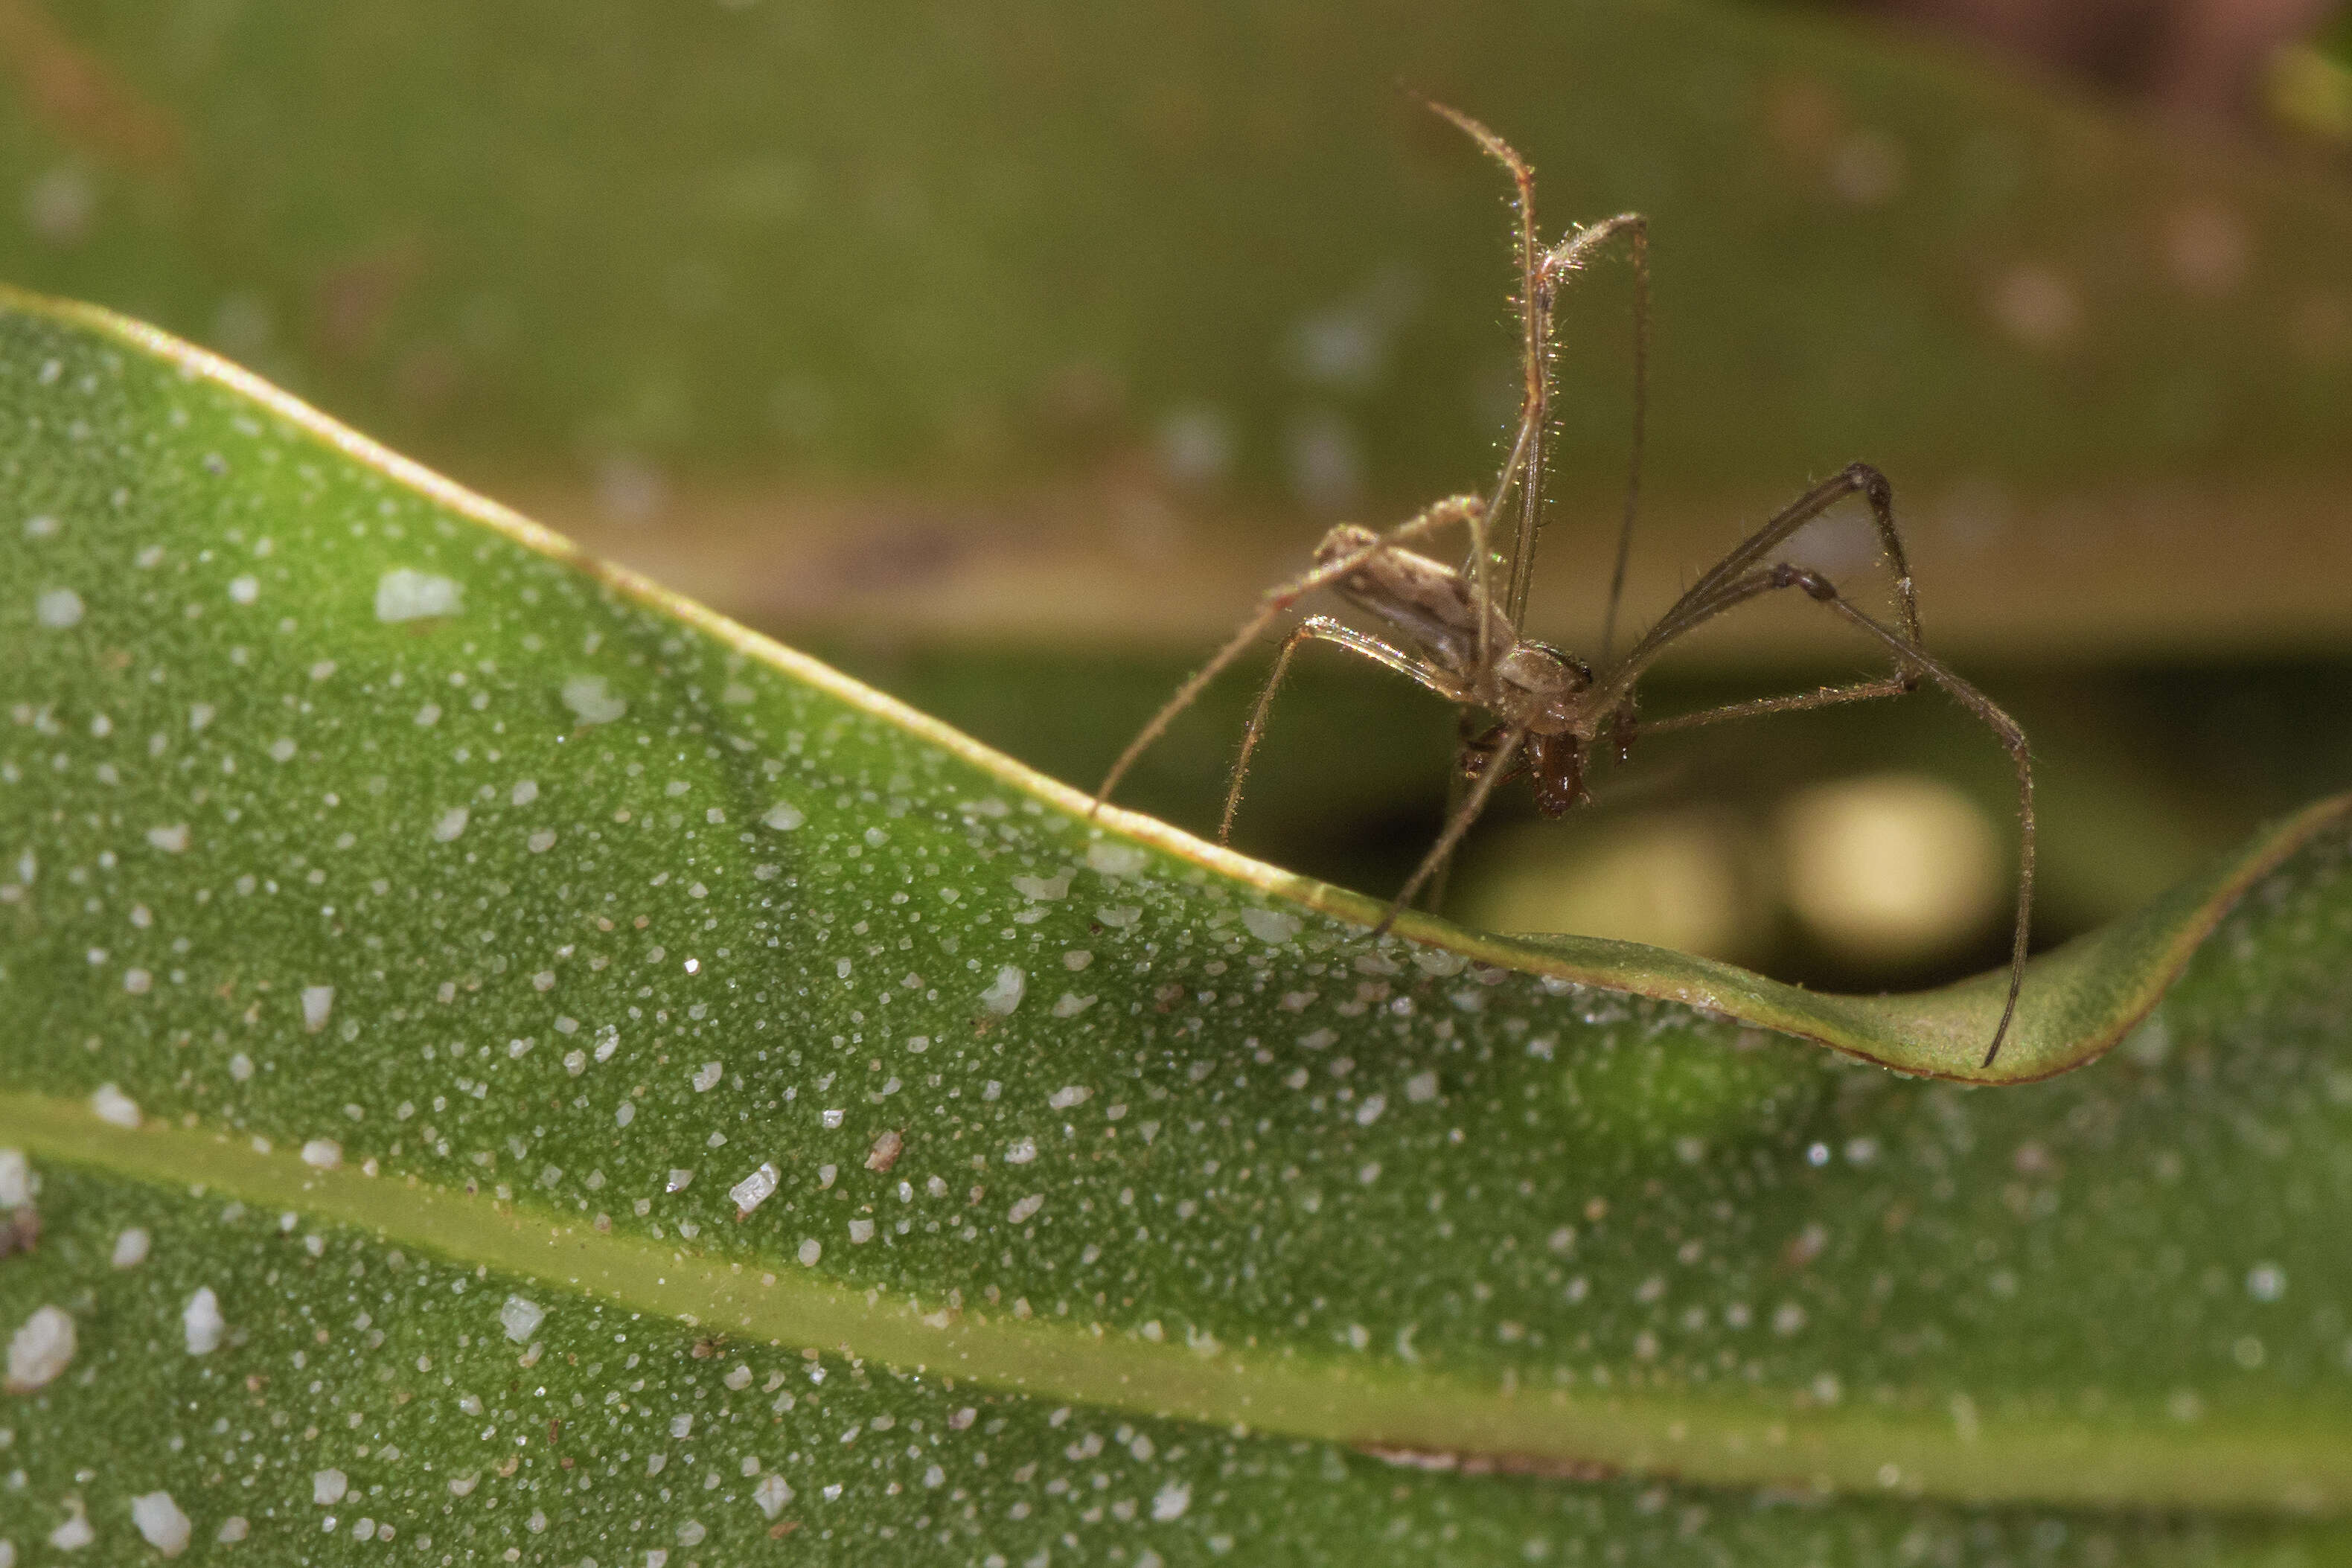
(427, 937)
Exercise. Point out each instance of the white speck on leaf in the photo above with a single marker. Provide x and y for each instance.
(1113, 859)
(59, 609)
(452, 822)
(1003, 993)
(201, 1324)
(1043, 889)
(112, 1106)
(589, 699)
(159, 1519)
(172, 841)
(317, 1002)
(130, 1249)
(1171, 1501)
(783, 816)
(406, 594)
(754, 1189)
(772, 1494)
(323, 1154)
(327, 1487)
(521, 1317)
(76, 1532)
(1270, 926)
(1020, 1212)
(39, 1350)
(17, 1184)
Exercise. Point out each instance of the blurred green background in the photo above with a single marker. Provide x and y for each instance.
(1004, 354)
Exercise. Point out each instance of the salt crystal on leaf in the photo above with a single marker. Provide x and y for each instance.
(1004, 994)
(16, 1186)
(40, 1349)
(1114, 859)
(754, 1189)
(521, 1317)
(591, 702)
(201, 1322)
(1270, 926)
(114, 1107)
(159, 1519)
(404, 594)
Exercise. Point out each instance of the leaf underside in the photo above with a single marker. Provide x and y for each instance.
(461, 922)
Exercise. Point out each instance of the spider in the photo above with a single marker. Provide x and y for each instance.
(1457, 633)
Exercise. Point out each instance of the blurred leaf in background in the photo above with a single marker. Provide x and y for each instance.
(1006, 357)
(899, 315)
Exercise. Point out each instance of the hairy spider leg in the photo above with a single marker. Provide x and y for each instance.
(1498, 765)
(1539, 273)
(1723, 596)
(1565, 257)
(1526, 461)
(1698, 601)
(1525, 456)
(1858, 479)
(1324, 628)
(1468, 510)
(1524, 465)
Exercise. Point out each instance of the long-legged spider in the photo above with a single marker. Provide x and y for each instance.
(1547, 710)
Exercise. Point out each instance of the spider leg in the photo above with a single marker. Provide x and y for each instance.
(1568, 256)
(1797, 701)
(1323, 629)
(1523, 467)
(1453, 509)
(1464, 816)
(1912, 660)
(1696, 604)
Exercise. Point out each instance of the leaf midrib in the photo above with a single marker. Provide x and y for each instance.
(1432, 1416)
